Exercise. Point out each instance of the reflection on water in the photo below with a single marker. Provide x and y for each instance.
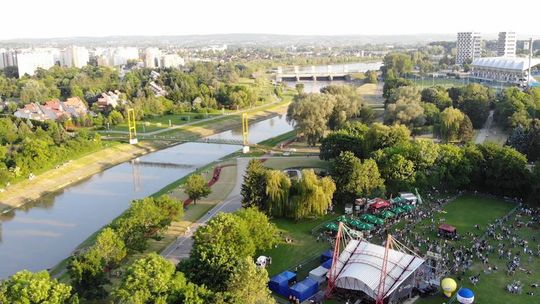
(40, 234)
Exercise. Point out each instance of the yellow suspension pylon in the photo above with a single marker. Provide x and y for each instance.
(132, 126)
(245, 132)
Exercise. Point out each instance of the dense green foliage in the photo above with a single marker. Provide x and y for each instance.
(35, 288)
(33, 147)
(222, 254)
(517, 108)
(314, 114)
(362, 140)
(355, 178)
(527, 140)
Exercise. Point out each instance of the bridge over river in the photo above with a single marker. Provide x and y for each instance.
(324, 73)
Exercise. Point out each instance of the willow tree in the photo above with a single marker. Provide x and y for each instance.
(451, 120)
(312, 195)
(278, 187)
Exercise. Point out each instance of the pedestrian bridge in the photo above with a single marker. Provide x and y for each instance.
(298, 74)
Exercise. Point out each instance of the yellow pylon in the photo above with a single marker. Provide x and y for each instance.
(132, 126)
(245, 129)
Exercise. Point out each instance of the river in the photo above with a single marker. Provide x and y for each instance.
(311, 86)
(41, 234)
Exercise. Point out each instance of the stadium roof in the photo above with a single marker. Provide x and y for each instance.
(504, 63)
(359, 267)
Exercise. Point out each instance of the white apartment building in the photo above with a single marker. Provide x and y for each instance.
(28, 62)
(152, 58)
(75, 56)
(469, 46)
(120, 56)
(172, 61)
(506, 45)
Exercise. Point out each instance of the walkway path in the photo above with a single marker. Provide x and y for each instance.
(181, 248)
(484, 132)
(156, 132)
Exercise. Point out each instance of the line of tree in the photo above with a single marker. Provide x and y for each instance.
(31, 147)
(408, 163)
(276, 194)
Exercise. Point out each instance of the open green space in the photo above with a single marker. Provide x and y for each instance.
(280, 163)
(464, 213)
(303, 249)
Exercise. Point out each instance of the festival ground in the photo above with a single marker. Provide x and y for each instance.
(463, 212)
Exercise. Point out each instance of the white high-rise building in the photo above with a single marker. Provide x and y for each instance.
(121, 55)
(152, 58)
(29, 62)
(75, 56)
(172, 61)
(469, 47)
(506, 46)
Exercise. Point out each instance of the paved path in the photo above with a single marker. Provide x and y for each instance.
(159, 131)
(484, 132)
(181, 248)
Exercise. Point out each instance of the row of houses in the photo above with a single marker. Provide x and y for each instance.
(54, 109)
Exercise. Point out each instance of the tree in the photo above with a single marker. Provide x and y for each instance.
(35, 288)
(254, 187)
(475, 102)
(406, 109)
(299, 88)
(249, 284)
(310, 113)
(347, 104)
(35, 91)
(355, 179)
(311, 196)
(110, 246)
(450, 122)
(400, 63)
(87, 273)
(151, 279)
(466, 131)
(196, 187)
(115, 118)
(438, 96)
(370, 77)
(278, 186)
(397, 170)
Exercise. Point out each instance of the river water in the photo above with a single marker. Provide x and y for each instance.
(40, 235)
(311, 86)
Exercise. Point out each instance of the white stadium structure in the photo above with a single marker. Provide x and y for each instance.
(360, 265)
(503, 69)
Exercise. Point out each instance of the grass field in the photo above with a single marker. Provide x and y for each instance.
(303, 249)
(154, 123)
(296, 162)
(464, 213)
(368, 91)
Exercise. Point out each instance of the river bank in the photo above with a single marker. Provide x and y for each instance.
(54, 180)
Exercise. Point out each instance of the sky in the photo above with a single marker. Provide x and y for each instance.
(69, 18)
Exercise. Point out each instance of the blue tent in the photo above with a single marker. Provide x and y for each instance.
(280, 283)
(327, 264)
(327, 255)
(305, 289)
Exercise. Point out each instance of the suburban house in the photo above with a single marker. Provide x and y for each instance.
(54, 109)
(109, 100)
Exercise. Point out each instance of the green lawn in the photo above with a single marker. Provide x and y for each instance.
(464, 213)
(296, 162)
(153, 123)
(303, 250)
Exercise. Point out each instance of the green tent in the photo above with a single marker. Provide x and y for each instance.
(343, 219)
(398, 210)
(408, 208)
(397, 200)
(361, 225)
(331, 226)
(386, 214)
(372, 219)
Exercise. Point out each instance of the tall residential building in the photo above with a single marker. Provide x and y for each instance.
(469, 46)
(7, 58)
(121, 55)
(152, 58)
(75, 56)
(506, 46)
(172, 61)
(29, 62)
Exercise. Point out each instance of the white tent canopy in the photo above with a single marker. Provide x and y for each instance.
(318, 274)
(359, 267)
(505, 63)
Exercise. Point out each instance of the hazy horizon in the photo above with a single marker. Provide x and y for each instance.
(100, 18)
